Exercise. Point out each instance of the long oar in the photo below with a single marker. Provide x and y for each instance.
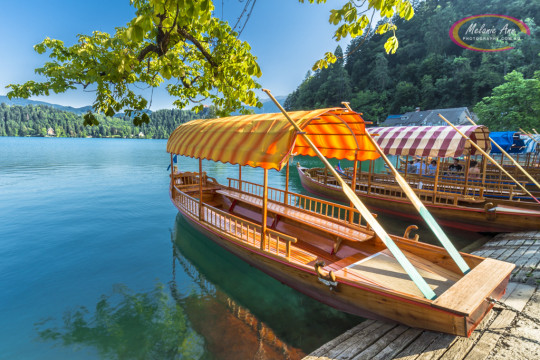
(536, 132)
(529, 135)
(510, 157)
(381, 233)
(489, 157)
(420, 207)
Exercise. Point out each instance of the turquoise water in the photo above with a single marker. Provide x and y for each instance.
(95, 263)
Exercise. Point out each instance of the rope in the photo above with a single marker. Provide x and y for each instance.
(519, 313)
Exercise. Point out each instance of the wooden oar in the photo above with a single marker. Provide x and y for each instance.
(420, 207)
(510, 157)
(529, 135)
(381, 233)
(489, 157)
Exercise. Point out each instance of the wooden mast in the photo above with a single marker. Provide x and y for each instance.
(511, 158)
(377, 228)
(490, 158)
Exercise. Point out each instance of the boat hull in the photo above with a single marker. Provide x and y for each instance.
(459, 217)
(354, 298)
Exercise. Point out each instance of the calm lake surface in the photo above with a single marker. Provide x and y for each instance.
(96, 263)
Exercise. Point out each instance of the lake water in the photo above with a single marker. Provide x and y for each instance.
(96, 263)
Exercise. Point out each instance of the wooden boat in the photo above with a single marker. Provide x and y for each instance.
(323, 249)
(450, 208)
(457, 202)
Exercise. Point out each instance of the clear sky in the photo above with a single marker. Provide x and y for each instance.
(285, 35)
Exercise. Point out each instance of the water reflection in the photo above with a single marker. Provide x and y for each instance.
(216, 307)
(127, 325)
(243, 313)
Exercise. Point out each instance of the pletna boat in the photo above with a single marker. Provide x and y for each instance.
(455, 201)
(334, 253)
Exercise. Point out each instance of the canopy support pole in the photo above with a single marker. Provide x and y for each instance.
(426, 215)
(467, 168)
(490, 158)
(369, 176)
(516, 163)
(264, 209)
(484, 170)
(239, 177)
(200, 191)
(381, 233)
(353, 185)
(172, 173)
(287, 184)
(436, 179)
(406, 165)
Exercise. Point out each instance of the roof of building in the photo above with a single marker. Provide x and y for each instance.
(429, 117)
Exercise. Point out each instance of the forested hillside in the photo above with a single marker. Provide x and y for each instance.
(37, 120)
(428, 70)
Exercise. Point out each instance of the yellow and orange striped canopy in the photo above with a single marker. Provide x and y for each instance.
(267, 140)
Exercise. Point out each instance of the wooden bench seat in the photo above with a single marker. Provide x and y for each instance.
(318, 222)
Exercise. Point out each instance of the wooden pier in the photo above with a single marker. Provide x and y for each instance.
(501, 335)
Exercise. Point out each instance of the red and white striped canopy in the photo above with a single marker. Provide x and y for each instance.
(437, 141)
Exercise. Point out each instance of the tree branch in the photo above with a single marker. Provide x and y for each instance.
(182, 31)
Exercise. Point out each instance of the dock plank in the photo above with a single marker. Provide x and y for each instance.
(382, 343)
(361, 341)
(398, 344)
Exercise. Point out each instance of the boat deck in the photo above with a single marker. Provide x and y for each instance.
(501, 335)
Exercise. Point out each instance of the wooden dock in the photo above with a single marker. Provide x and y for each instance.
(501, 335)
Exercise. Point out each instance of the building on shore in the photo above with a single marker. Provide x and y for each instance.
(457, 116)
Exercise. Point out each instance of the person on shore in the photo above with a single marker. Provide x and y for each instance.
(474, 170)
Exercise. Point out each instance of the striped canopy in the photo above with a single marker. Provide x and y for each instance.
(437, 141)
(267, 140)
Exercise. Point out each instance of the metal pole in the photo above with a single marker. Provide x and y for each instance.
(377, 228)
(490, 159)
(511, 159)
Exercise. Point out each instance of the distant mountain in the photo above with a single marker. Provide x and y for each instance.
(24, 102)
(268, 105)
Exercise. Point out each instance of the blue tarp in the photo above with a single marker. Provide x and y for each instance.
(510, 141)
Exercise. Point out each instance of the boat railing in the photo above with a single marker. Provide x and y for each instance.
(275, 242)
(341, 213)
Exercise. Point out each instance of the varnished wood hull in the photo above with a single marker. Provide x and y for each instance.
(460, 217)
(356, 298)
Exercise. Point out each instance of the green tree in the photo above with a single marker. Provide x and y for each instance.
(512, 105)
(182, 41)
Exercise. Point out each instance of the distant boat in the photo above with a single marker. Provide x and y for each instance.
(320, 248)
(477, 205)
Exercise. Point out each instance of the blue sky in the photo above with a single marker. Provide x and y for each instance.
(285, 35)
